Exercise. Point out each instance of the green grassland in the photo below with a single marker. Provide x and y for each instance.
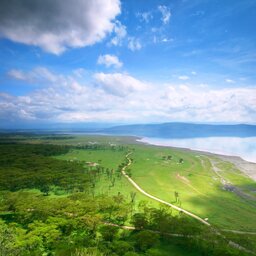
(200, 189)
(109, 159)
(79, 177)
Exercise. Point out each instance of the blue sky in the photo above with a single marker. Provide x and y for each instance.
(127, 61)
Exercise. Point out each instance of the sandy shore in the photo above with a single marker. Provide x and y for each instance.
(248, 168)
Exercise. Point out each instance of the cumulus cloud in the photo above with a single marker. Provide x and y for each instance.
(134, 44)
(14, 108)
(55, 26)
(109, 60)
(119, 96)
(65, 100)
(119, 84)
(212, 105)
(166, 13)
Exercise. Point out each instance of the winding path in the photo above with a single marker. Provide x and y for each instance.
(156, 198)
(239, 232)
(171, 205)
(231, 243)
(153, 231)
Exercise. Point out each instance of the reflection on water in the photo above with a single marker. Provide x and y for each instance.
(233, 146)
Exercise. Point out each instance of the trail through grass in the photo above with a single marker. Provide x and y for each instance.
(162, 171)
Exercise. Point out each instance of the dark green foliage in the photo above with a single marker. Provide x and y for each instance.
(121, 247)
(145, 240)
(45, 189)
(54, 137)
(139, 220)
(108, 232)
(47, 225)
(131, 254)
(26, 166)
(8, 239)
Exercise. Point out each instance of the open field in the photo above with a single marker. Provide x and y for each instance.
(201, 190)
(225, 197)
(46, 195)
(108, 159)
(95, 167)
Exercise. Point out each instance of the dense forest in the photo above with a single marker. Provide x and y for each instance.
(46, 209)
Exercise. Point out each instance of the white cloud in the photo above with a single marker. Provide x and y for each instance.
(109, 60)
(230, 81)
(166, 13)
(134, 44)
(54, 26)
(212, 105)
(120, 34)
(119, 96)
(194, 73)
(119, 84)
(37, 75)
(184, 78)
(184, 87)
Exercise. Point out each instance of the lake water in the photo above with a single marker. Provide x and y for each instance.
(232, 146)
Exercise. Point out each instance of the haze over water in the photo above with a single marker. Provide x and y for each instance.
(233, 146)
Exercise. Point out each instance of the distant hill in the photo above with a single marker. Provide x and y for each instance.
(183, 130)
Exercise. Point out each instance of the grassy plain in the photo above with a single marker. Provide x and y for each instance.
(160, 172)
(108, 159)
(200, 189)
